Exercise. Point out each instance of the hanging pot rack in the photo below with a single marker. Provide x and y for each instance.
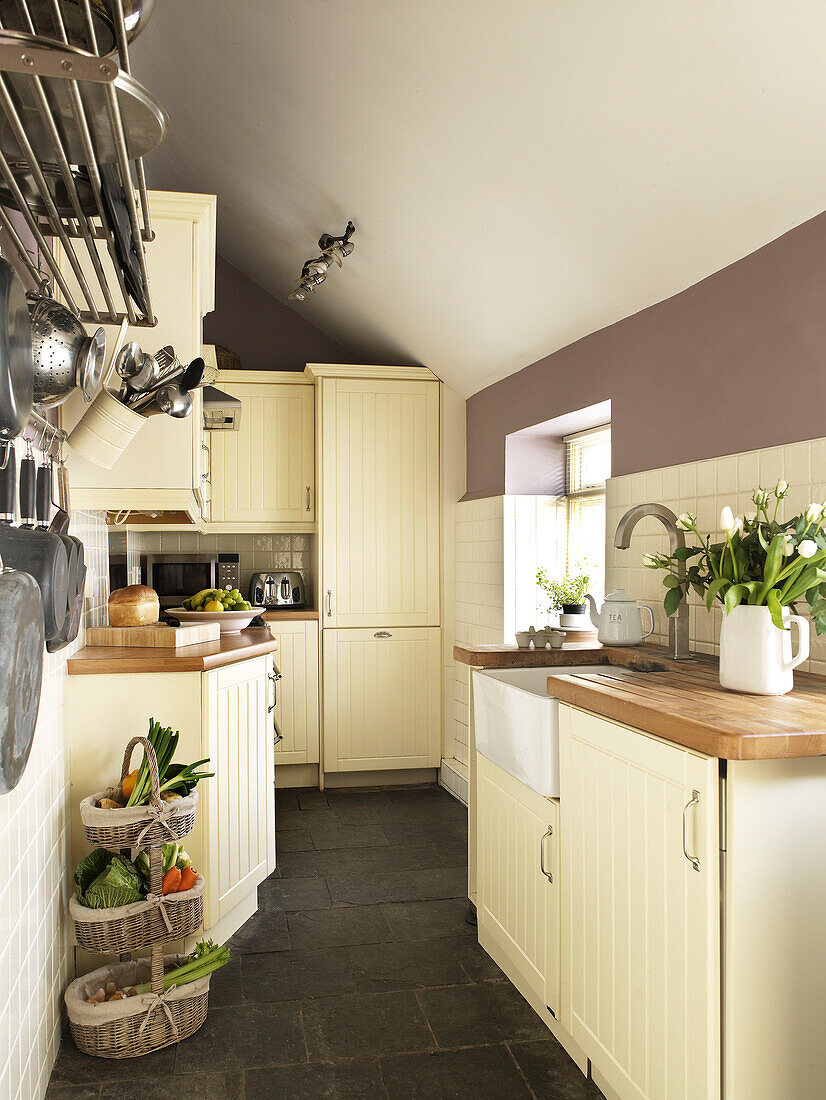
(62, 107)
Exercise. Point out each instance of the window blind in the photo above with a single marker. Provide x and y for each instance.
(587, 461)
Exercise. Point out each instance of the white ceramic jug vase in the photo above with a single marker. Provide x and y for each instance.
(755, 656)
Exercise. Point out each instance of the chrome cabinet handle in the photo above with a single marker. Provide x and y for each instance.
(206, 476)
(382, 634)
(693, 801)
(329, 603)
(275, 676)
(308, 499)
(548, 874)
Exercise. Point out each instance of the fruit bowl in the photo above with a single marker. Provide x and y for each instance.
(230, 622)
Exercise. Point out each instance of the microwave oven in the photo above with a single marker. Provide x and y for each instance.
(177, 576)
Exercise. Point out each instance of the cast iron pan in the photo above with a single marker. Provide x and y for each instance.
(21, 672)
(16, 364)
(43, 506)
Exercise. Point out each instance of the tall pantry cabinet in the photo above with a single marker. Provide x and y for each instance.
(379, 591)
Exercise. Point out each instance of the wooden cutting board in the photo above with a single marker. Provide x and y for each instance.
(153, 637)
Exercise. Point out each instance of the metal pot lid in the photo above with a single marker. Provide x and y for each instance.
(24, 178)
(619, 595)
(16, 372)
(90, 365)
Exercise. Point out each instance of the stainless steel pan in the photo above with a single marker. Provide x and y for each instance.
(21, 671)
(16, 373)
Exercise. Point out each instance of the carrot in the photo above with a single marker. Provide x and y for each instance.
(189, 876)
(171, 880)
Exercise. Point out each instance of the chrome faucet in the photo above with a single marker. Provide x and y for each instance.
(678, 622)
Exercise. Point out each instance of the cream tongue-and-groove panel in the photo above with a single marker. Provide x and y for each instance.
(382, 698)
(296, 708)
(263, 475)
(239, 799)
(640, 926)
(380, 503)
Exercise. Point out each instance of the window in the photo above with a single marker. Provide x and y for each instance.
(587, 468)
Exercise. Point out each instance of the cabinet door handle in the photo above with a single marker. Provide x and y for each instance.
(329, 603)
(308, 499)
(693, 801)
(548, 874)
(205, 449)
(275, 677)
(382, 634)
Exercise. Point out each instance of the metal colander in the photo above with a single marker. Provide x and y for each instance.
(65, 358)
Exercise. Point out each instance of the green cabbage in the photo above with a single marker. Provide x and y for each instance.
(117, 884)
(89, 868)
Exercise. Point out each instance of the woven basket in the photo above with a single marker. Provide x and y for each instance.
(132, 927)
(137, 1025)
(138, 826)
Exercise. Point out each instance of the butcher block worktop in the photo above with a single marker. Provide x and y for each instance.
(227, 650)
(680, 701)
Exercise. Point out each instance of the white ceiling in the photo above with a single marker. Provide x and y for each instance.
(521, 172)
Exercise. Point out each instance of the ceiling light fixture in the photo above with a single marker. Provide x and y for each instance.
(314, 272)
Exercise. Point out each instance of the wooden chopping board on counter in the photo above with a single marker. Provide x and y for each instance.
(157, 636)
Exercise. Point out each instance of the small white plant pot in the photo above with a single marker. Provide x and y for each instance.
(755, 656)
(105, 431)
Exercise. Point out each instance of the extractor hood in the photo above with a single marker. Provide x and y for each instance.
(222, 411)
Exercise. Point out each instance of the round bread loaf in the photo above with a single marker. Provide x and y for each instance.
(135, 605)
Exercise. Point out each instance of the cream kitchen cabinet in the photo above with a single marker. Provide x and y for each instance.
(640, 923)
(221, 714)
(380, 502)
(296, 708)
(518, 883)
(161, 469)
(382, 698)
(263, 475)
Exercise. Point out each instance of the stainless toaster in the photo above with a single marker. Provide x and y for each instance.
(277, 590)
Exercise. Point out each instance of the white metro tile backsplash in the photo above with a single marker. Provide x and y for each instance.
(703, 488)
(35, 876)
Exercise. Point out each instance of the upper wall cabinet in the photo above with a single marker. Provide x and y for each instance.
(380, 502)
(161, 468)
(263, 475)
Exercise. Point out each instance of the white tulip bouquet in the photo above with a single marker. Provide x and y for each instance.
(760, 560)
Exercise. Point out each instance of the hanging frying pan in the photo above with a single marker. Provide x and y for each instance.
(21, 672)
(16, 368)
(43, 506)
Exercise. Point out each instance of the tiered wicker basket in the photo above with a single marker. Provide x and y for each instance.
(142, 1024)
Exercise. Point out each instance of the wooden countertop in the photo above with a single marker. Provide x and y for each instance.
(680, 701)
(226, 650)
(293, 614)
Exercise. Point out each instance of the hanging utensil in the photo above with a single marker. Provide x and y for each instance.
(43, 506)
(28, 473)
(16, 382)
(8, 485)
(117, 215)
(21, 671)
(193, 376)
(171, 400)
(65, 358)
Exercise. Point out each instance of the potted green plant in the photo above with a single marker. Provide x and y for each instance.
(759, 571)
(566, 595)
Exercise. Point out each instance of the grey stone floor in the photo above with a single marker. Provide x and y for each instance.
(358, 977)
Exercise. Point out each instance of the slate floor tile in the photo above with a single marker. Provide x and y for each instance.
(286, 800)
(440, 882)
(198, 1086)
(340, 927)
(244, 1037)
(294, 840)
(551, 1072)
(311, 864)
(453, 854)
(266, 930)
(420, 920)
(225, 985)
(297, 975)
(74, 1068)
(372, 887)
(357, 1080)
(364, 1024)
(420, 964)
(290, 820)
(294, 894)
(402, 857)
(73, 1092)
(346, 836)
(311, 799)
(476, 962)
(425, 832)
(469, 1074)
(474, 1014)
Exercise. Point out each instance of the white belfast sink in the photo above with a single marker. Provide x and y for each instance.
(515, 721)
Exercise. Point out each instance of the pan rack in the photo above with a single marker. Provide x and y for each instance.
(64, 107)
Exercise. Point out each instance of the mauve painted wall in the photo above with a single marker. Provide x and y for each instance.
(263, 332)
(735, 362)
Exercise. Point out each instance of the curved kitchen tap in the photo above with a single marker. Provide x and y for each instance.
(678, 622)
